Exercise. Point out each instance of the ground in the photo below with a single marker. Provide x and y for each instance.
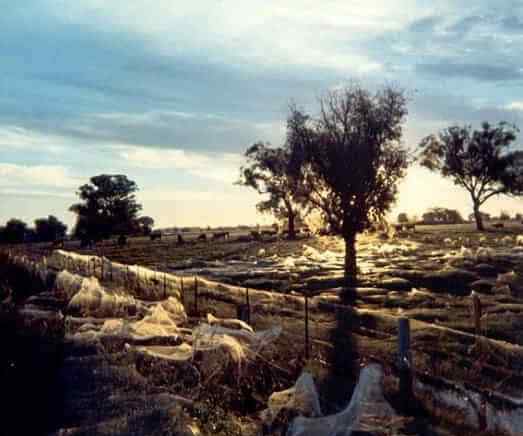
(426, 275)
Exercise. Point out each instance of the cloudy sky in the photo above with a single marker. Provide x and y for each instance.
(172, 92)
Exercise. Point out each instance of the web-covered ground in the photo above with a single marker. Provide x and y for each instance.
(427, 276)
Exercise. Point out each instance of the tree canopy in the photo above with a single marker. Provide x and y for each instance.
(478, 160)
(49, 229)
(145, 225)
(442, 215)
(14, 232)
(402, 218)
(108, 206)
(352, 153)
(269, 170)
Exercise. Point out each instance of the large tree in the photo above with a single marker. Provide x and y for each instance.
(478, 160)
(353, 150)
(14, 232)
(145, 225)
(108, 206)
(269, 170)
(402, 218)
(49, 229)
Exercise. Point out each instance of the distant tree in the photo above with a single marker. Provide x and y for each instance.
(145, 225)
(14, 232)
(453, 216)
(518, 217)
(108, 206)
(403, 218)
(353, 153)
(49, 229)
(504, 216)
(484, 217)
(479, 161)
(442, 215)
(268, 171)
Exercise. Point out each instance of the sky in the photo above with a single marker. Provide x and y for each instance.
(171, 93)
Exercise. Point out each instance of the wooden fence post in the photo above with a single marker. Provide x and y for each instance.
(307, 326)
(243, 310)
(196, 296)
(247, 301)
(476, 308)
(404, 360)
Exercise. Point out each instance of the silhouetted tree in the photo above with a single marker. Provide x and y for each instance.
(442, 215)
(504, 215)
(353, 151)
(403, 218)
(14, 232)
(49, 229)
(269, 171)
(108, 206)
(145, 224)
(479, 161)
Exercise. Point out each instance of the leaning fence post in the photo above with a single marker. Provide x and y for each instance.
(164, 285)
(247, 301)
(307, 326)
(476, 307)
(404, 358)
(196, 295)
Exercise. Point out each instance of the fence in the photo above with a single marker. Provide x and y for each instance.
(314, 327)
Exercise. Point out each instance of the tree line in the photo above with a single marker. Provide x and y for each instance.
(345, 163)
(107, 207)
(45, 230)
(443, 215)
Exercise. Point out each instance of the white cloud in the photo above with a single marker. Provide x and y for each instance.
(515, 106)
(19, 138)
(25, 192)
(273, 33)
(146, 118)
(31, 178)
(222, 167)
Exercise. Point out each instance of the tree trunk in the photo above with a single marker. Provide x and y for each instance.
(351, 270)
(478, 217)
(292, 230)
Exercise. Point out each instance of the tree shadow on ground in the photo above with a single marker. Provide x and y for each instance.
(337, 386)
